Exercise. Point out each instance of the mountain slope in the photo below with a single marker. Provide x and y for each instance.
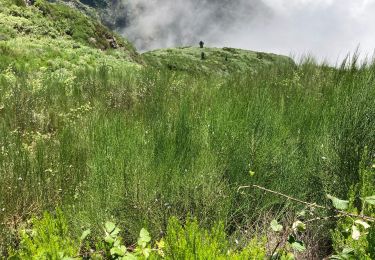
(215, 60)
(55, 35)
(67, 34)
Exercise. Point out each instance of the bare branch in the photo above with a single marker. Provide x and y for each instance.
(312, 205)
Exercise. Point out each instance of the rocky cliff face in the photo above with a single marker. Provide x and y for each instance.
(112, 13)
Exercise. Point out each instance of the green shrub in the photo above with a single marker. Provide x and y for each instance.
(256, 249)
(189, 241)
(193, 242)
(46, 238)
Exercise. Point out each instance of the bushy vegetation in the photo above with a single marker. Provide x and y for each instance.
(191, 242)
(106, 139)
(48, 238)
(45, 238)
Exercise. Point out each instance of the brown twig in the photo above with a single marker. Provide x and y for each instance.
(322, 218)
(276, 247)
(313, 205)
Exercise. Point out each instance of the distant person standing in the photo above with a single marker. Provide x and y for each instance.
(201, 44)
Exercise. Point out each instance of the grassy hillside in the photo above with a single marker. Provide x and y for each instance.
(220, 61)
(90, 134)
(55, 36)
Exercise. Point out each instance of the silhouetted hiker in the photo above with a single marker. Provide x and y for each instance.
(201, 43)
(203, 56)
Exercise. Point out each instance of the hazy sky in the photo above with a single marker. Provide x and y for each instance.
(328, 29)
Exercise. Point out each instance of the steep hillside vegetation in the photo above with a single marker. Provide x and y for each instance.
(55, 36)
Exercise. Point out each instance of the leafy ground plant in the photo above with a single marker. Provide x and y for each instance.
(114, 249)
(48, 237)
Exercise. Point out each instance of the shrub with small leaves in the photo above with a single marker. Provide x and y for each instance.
(194, 242)
(46, 238)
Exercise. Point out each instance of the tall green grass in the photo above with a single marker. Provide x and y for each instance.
(142, 146)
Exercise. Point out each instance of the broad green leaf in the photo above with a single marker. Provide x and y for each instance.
(339, 204)
(117, 242)
(348, 250)
(119, 251)
(123, 249)
(110, 226)
(115, 232)
(370, 200)
(299, 226)
(129, 256)
(302, 213)
(298, 246)
(144, 238)
(109, 239)
(364, 224)
(144, 235)
(275, 226)
(295, 244)
(85, 234)
(146, 252)
(346, 254)
(355, 233)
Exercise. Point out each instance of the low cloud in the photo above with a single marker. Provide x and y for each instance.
(327, 29)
